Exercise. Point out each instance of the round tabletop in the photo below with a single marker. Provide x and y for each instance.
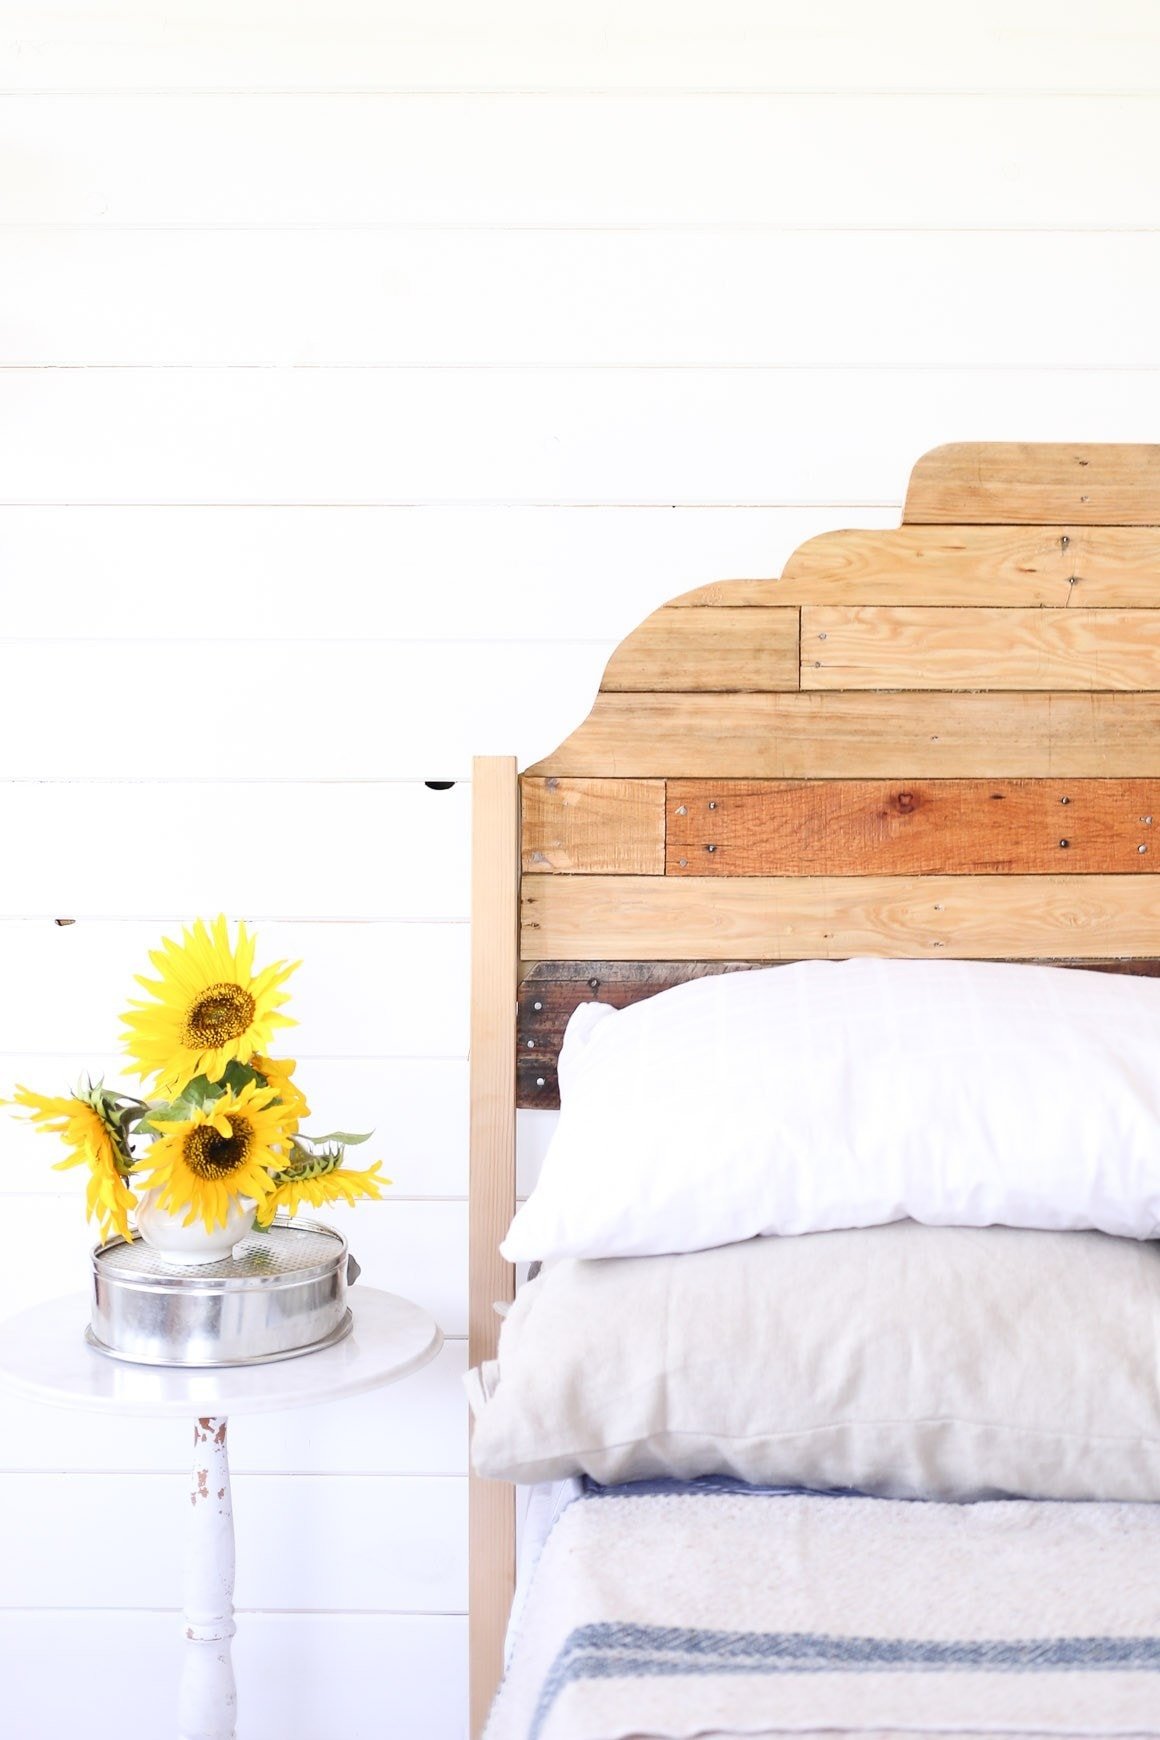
(45, 1358)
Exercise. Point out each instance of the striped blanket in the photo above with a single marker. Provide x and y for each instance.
(661, 1612)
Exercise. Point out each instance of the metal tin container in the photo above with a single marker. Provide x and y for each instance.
(279, 1293)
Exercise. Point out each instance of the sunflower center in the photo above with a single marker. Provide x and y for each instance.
(211, 1156)
(221, 1013)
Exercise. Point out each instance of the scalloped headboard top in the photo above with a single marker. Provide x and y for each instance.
(939, 739)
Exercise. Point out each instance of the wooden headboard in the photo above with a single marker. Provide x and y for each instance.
(939, 740)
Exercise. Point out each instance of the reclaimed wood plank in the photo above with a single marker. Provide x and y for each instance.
(732, 594)
(591, 826)
(939, 565)
(830, 917)
(707, 650)
(1036, 483)
(917, 828)
(551, 990)
(864, 736)
(881, 647)
(1096, 566)
(1100, 567)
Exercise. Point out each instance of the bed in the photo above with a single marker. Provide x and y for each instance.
(940, 741)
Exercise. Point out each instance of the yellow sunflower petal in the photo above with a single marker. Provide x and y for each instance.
(340, 1185)
(206, 1009)
(279, 1073)
(197, 1168)
(92, 1142)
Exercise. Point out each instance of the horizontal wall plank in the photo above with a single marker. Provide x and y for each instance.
(619, 436)
(830, 917)
(534, 1131)
(863, 736)
(1039, 483)
(389, 850)
(586, 826)
(402, 711)
(879, 647)
(315, 571)
(355, 1674)
(582, 298)
(384, 1545)
(712, 649)
(417, 1249)
(597, 159)
(363, 990)
(416, 1427)
(542, 44)
(417, 1108)
(879, 827)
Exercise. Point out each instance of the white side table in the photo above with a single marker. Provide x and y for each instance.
(44, 1358)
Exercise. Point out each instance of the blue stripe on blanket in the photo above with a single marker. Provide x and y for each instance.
(614, 1651)
(712, 1484)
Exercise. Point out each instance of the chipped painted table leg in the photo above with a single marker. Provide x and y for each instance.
(208, 1700)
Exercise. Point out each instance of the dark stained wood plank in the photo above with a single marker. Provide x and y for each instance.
(912, 828)
(550, 990)
(709, 650)
(864, 736)
(593, 826)
(1035, 483)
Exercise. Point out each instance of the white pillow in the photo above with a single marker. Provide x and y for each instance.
(841, 1094)
(909, 1361)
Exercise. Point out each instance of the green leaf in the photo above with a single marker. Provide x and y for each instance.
(200, 1092)
(237, 1076)
(343, 1137)
(194, 1098)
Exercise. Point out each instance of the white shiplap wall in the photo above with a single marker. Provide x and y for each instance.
(372, 366)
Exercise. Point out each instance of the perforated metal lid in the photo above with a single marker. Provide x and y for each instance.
(289, 1251)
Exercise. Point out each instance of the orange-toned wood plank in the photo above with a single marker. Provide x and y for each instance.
(913, 828)
(864, 736)
(711, 649)
(586, 826)
(1036, 483)
(829, 917)
(882, 647)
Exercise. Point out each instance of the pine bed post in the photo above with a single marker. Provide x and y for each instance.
(494, 969)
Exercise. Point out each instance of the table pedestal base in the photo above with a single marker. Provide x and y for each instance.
(208, 1699)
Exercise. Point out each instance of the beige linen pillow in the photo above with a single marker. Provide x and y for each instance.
(905, 1360)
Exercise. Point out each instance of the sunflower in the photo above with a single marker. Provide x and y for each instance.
(320, 1181)
(225, 1149)
(209, 1007)
(278, 1072)
(89, 1124)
